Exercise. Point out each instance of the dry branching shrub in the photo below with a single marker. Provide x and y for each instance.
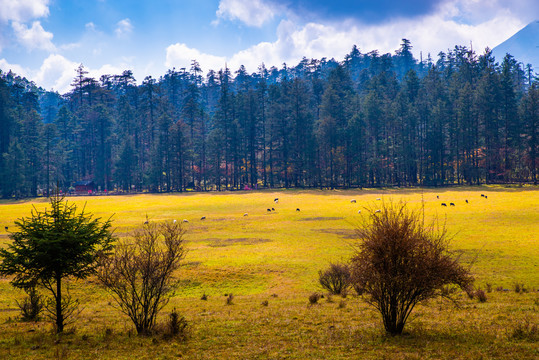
(314, 297)
(480, 295)
(335, 279)
(525, 330)
(400, 261)
(230, 299)
(139, 273)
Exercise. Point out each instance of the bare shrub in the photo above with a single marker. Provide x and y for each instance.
(470, 292)
(314, 297)
(480, 295)
(204, 297)
(265, 303)
(489, 287)
(32, 305)
(139, 273)
(230, 299)
(400, 262)
(525, 330)
(358, 288)
(335, 279)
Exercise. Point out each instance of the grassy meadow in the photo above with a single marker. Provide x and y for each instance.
(275, 257)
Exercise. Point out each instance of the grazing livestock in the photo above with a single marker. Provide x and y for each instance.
(174, 222)
(466, 201)
(482, 195)
(203, 218)
(272, 209)
(6, 228)
(377, 211)
(146, 222)
(437, 197)
(245, 214)
(297, 209)
(378, 199)
(451, 204)
(359, 211)
(185, 220)
(269, 210)
(276, 201)
(353, 201)
(486, 197)
(444, 204)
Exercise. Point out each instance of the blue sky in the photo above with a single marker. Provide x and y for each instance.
(45, 40)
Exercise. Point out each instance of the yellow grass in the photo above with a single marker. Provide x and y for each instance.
(280, 252)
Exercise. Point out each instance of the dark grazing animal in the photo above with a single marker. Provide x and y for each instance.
(297, 209)
(203, 218)
(466, 201)
(451, 204)
(482, 195)
(444, 204)
(269, 210)
(272, 209)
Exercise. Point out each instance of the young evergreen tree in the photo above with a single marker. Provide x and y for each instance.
(53, 245)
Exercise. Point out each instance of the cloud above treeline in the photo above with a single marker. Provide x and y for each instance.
(293, 30)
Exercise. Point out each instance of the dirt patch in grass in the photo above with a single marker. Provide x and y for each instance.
(214, 242)
(343, 233)
(320, 218)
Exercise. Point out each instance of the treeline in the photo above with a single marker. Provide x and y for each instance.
(370, 120)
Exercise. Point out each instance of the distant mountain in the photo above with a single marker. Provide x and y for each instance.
(524, 46)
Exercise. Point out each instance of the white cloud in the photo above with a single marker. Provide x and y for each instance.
(123, 28)
(33, 38)
(17, 69)
(433, 33)
(23, 10)
(180, 55)
(56, 73)
(90, 26)
(252, 13)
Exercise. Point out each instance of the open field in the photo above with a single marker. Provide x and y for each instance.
(275, 256)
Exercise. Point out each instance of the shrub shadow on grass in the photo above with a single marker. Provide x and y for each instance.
(343, 233)
(215, 242)
(320, 218)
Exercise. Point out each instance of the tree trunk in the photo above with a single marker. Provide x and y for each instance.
(58, 299)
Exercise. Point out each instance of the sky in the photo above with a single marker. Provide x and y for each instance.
(46, 40)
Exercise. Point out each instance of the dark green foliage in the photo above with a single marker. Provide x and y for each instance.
(177, 325)
(52, 245)
(32, 305)
(370, 120)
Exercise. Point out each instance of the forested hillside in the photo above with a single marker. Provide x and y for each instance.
(370, 120)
